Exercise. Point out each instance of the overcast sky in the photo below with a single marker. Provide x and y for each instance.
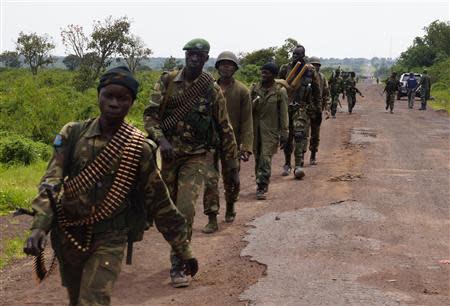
(326, 28)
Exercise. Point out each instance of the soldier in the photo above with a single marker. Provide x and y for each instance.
(391, 87)
(304, 101)
(239, 109)
(336, 88)
(187, 117)
(411, 85)
(316, 118)
(111, 191)
(351, 90)
(425, 89)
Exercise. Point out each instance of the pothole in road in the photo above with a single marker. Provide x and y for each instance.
(362, 135)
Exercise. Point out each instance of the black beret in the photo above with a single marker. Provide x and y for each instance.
(119, 76)
(272, 67)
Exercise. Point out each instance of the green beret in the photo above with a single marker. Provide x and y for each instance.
(198, 44)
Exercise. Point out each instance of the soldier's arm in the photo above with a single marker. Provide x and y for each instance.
(326, 104)
(54, 175)
(246, 121)
(168, 220)
(152, 118)
(282, 74)
(284, 119)
(316, 91)
(228, 146)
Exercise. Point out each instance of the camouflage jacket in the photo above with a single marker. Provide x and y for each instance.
(74, 151)
(336, 85)
(240, 113)
(392, 85)
(270, 115)
(350, 87)
(183, 137)
(325, 89)
(425, 84)
(309, 93)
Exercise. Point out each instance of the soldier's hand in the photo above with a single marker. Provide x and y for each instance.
(166, 149)
(35, 244)
(244, 156)
(191, 266)
(283, 143)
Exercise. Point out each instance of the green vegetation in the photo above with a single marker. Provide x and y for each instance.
(18, 185)
(13, 249)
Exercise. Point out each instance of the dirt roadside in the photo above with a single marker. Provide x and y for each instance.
(395, 165)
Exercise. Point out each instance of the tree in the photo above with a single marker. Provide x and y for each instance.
(72, 62)
(170, 63)
(258, 57)
(107, 39)
(438, 37)
(74, 39)
(10, 59)
(36, 50)
(134, 51)
(283, 53)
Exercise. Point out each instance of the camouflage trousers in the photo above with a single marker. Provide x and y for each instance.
(299, 124)
(351, 101)
(211, 198)
(184, 177)
(315, 120)
(89, 277)
(411, 97)
(423, 99)
(390, 99)
(334, 104)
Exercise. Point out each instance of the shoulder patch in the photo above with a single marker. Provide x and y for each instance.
(58, 141)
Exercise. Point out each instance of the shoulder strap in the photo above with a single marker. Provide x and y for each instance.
(171, 77)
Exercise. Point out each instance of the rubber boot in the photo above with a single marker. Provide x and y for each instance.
(286, 170)
(230, 213)
(212, 225)
(299, 173)
(261, 192)
(312, 159)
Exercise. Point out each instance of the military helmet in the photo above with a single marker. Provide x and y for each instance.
(198, 44)
(227, 56)
(314, 60)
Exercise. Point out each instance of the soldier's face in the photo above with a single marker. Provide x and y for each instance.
(196, 59)
(267, 76)
(115, 101)
(226, 68)
(317, 67)
(298, 54)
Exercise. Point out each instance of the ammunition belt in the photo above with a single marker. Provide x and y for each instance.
(183, 103)
(130, 143)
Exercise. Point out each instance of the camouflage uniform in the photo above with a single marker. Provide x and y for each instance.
(90, 276)
(350, 91)
(303, 103)
(240, 114)
(425, 90)
(316, 117)
(270, 122)
(185, 174)
(336, 88)
(391, 87)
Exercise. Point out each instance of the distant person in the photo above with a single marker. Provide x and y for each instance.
(411, 86)
(336, 85)
(425, 89)
(270, 124)
(391, 87)
(351, 91)
(378, 81)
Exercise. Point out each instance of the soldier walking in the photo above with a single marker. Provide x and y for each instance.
(425, 89)
(111, 191)
(351, 91)
(304, 100)
(411, 86)
(316, 117)
(239, 109)
(336, 88)
(187, 117)
(391, 87)
(270, 124)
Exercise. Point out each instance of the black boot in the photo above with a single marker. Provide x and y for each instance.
(261, 191)
(230, 212)
(312, 159)
(212, 225)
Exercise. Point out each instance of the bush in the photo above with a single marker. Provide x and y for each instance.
(16, 149)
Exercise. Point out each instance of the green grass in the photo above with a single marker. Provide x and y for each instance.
(441, 95)
(18, 185)
(13, 249)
